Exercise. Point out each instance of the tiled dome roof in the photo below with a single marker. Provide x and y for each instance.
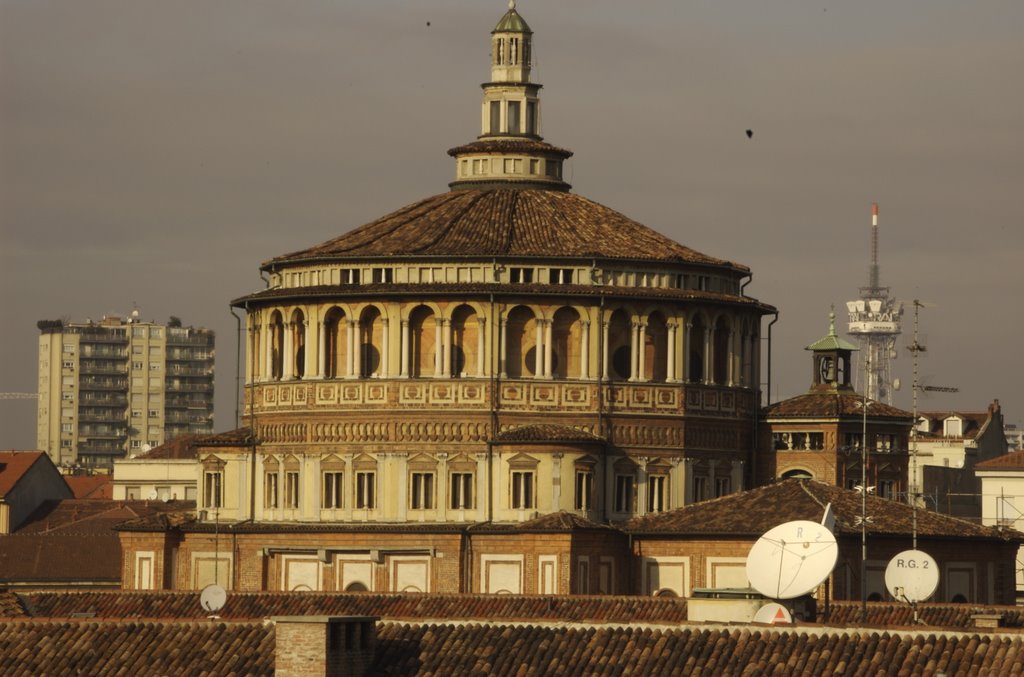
(505, 223)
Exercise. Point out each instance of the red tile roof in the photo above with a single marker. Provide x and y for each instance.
(753, 512)
(90, 486)
(526, 146)
(29, 648)
(974, 421)
(186, 447)
(14, 465)
(832, 405)
(1011, 461)
(506, 223)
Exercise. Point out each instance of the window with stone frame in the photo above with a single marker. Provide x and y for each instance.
(700, 488)
(657, 496)
(365, 489)
(583, 499)
(461, 490)
(213, 482)
(723, 486)
(625, 493)
(271, 491)
(291, 483)
(421, 490)
(522, 490)
(332, 483)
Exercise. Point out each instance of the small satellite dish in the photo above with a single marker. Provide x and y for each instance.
(896, 383)
(773, 614)
(166, 498)
(147, 447)
(792, 559)
(212, 598)
(912, 576)
(828, 520)
(152, 496)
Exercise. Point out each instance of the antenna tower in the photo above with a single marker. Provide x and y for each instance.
(874, 320)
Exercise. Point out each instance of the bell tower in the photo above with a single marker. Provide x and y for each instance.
(831, 361)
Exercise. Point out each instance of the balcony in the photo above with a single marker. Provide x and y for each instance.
(200, 340)
(189, 387)
(111, 416)
(96, 384)
(190, 371)
(86, 367)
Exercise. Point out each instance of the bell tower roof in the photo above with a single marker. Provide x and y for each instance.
(512, 22)
(831, 360)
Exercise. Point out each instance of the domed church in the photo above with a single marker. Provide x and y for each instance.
(469, 393)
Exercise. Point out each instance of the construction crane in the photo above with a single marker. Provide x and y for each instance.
(19, 396)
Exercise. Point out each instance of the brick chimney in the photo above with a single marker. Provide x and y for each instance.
(324, 645)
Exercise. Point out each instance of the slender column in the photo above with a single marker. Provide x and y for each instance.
(538, 350)
(438, 348)
(314, 366)
(732, 358)
(641, 488)
(547, 348)
(404, 359)
(402, 477)
(503, 348)
(670, 367)
(267, 348)
(288, 358)
(556, 481)
(441, 484)
(250, 348)
(584, 350)
(446, 348)
(307, 328)
(321, 354)
(687, 337)
(709, 358)
(350, 353)
(385, 350)
(634, 354)
(480, 346)
(357, 351)
(605, 331)
(641, 368)
(482, 490)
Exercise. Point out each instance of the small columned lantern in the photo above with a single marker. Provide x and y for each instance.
(831, 360)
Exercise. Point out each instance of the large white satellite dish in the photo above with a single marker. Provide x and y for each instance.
(912, 576)
(792, 559)
(212, 598)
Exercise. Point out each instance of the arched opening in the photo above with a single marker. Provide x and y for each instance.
(797, 474)
(620, 350)
(297, 326)
(466, 343)
(422, 342)
(335, 343)
(276, 346)
(371, 333)
(356, 586)
(666, 592)
(722, 353)
(521, 342)
(698, 336)
(656, 348)
(565, 339)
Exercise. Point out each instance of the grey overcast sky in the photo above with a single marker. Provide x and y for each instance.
(153, 153)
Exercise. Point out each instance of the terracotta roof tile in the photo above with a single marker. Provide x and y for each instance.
(90, 486)
(832, 405)
(506, 223)
(527, 146)
(751, 513)
(1011, 461)
(187, 447)
(560, 521)
(14, 465)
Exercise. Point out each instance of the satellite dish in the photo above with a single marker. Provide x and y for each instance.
(828, 520)
(792, 559)
(896, 383)
(773, 614)
(912, 576)
(152, 496)
(212, 598)
(147, 447)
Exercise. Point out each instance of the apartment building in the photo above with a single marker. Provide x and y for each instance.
(120, 386)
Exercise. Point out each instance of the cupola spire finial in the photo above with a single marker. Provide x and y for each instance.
(511, 4)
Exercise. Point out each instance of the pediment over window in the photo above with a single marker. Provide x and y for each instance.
(462, 462)
(522, 460)
(212, 462)
(291, 463)
(271, 464)
(625, 466)
(422, 462)
(332, 462)
(364, 462)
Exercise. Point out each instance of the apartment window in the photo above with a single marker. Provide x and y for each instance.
(69, 348)
(136, 365)
(656, 485)
(65, 444)
(156, 382)
(67, 427)
(522, 489)
(153, 443)
(723, 486)
(139, 332)
(154, 413)
(584, 489)
(560, 276)
(462, 490)
(154, 350)
(383, 275)
(885, 443)
(624, 493)
(421, 490)
(700, 488)
(136, 444)
(365, 482)
(270, 490)
(138, 350)
(520, 275)
(67, 396)
(291, 489)
(333, 489)
(68, 364)
(156, 332)
(154, 366)
(213, 489)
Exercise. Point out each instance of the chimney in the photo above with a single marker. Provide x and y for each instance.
(324, 645)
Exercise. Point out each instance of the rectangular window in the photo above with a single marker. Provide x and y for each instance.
(584, 489)
(723, 486)
(495, 117)
(133, 492)
(700, 488)
(65, 444)
(887, 489)
(333, 490)
(139, 332)
(383, 275)
(156, 332)
(291, 489)
(136, 444)
(350, 276)
(462, 490)
(136, 365)
(421, 490)
(656, 493)
(68, 364)
(154, 413)
(513, 117)
(213, 488)
(513, 166)
(67, 427)
(520, 275)
(69, 348)
(365, 482)
(535, 166)
(553, 168)
(270, 490)
(624, 493)
(154, 366)
(522, 489)
(852, 441)
(138, 350)
(531, 117)
(816, 441)
(560, 276)
(68, 397)
(799, 441)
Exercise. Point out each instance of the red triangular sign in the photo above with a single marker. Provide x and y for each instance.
(780, 616)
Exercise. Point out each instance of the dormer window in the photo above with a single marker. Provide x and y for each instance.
(383, 275)
(560, 276)
(953, 427)
(520, 275)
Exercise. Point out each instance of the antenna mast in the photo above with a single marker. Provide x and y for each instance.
(874, 320)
